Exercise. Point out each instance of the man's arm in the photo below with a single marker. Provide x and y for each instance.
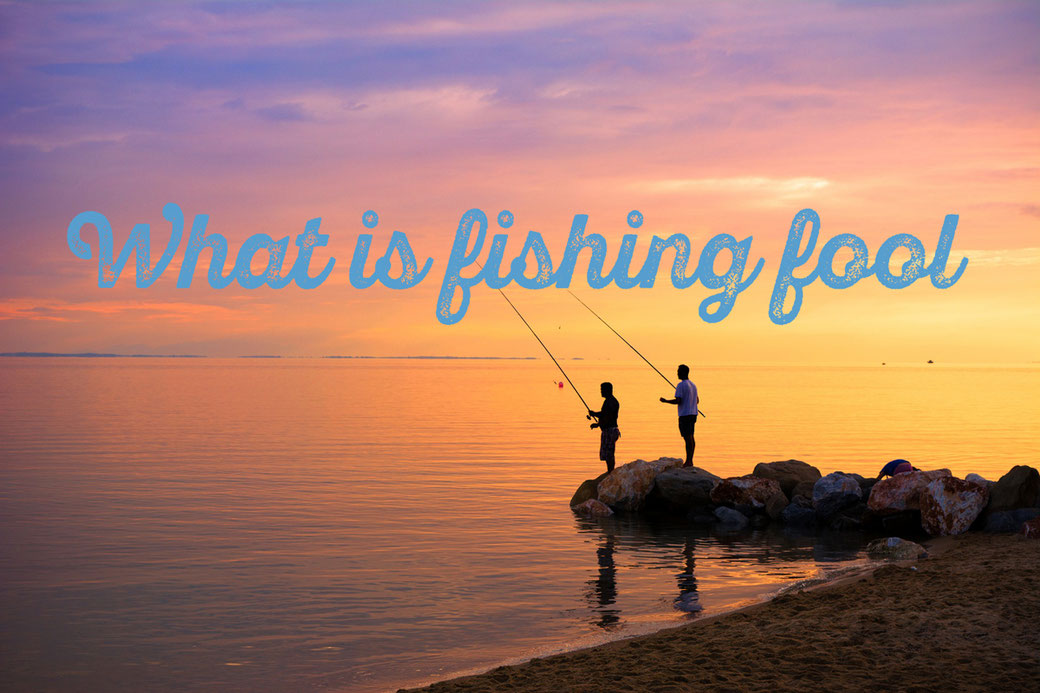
(677, 400)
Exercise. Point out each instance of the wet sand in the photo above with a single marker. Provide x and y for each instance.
(966, 619)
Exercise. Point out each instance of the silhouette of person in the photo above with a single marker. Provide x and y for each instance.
(896, 467)
(687, 399)
(607, 424)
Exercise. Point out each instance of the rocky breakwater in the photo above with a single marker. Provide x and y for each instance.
(794, 493)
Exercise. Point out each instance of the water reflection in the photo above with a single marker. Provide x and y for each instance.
(705, 563)
(688, 600)
(602, 589)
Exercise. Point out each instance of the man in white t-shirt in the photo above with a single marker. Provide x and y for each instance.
(686, 398)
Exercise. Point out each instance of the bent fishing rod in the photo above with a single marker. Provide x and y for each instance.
(519, 315)
(628, 343)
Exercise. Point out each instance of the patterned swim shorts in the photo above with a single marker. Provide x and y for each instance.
(607, 439)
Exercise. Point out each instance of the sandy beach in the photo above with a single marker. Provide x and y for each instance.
(967, 618)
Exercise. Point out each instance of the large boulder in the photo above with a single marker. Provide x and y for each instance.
(1009, 520)
(902, 491)
(730, 518)
(788, 473)
(803, 490)
(949, 505)
(829, 506)
(895, 549)
(752, 491)
(852, 516)
(684, 489)
(587, 490)
(834, 492)
(835, 484)
(626, 488)
(1019, 488)
(797, 515)
(592, 508)
(906, 522)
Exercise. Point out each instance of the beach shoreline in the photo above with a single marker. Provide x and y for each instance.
(963, 619)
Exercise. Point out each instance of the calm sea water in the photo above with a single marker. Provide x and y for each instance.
(313, 524)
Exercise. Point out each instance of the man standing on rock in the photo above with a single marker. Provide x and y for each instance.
(686, 398)
(607, 424)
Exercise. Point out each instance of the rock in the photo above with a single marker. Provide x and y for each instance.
(730, 518)
(949, 505)
(788, 473)
(902, 491)
(775, 506)
(684, 489)
(803, 501)
(861, 480)
(896, 549)
(758, 521)
(626, 487)
(803, 490)
(745, 490)
(1019, 488)
(1032, 528)
(798, 515)
(1009, 520)
(587, 490)
(701, 518)
(664, 463)
(835, 484)
(749, 511)
(976, 479)
(829, 506)
(850, 517)
(901, 522)
(865, 485)
(592, 508)
(833, 493)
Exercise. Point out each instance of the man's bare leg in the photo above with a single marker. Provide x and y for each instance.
(691, 445)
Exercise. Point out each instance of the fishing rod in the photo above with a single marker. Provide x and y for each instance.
(627, 342)
(519, 315)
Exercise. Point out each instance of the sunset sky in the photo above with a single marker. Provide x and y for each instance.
(707, 117)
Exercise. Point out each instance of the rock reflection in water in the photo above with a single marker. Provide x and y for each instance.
(712, 567)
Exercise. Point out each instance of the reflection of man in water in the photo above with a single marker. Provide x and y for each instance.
(603, 588)
(688, 599)
(607, 424)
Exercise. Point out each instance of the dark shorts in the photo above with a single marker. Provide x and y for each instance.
(687, 424)
(607, 439)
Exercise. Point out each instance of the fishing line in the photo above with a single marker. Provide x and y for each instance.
(626, 342)
(519, 315)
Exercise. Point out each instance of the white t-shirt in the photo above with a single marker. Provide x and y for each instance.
(687, 391)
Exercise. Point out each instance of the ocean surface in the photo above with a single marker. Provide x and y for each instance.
(365, 524)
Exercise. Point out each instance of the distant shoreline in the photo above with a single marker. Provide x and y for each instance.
(92, 355)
